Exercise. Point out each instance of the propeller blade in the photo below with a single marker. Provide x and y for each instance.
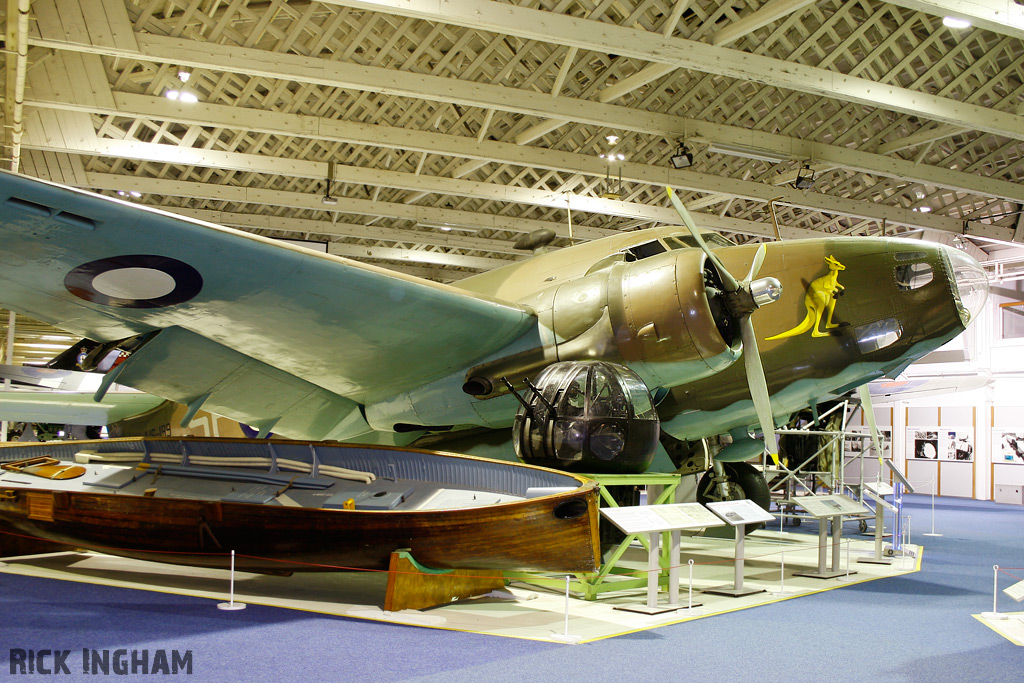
(755, 267)
(728, 281)
(758, 387)
(869, 413)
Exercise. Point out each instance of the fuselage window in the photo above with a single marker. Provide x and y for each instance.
(913, 276)
(878, 335)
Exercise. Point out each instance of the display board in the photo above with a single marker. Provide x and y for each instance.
(1008, 446)
(1016, 591)
(831, 505)
(877, 497)
(940, 460)
(642, 519)
(736, 512)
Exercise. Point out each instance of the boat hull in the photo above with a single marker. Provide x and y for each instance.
(549, 533)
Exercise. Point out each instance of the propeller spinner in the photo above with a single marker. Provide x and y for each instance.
(742, 298)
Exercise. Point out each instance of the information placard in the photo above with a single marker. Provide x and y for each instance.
(881, 501)
(879, 487)
(736, 512)
(642, 519)
(830, 506)
(1016, 591)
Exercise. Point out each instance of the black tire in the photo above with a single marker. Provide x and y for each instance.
(745, 481)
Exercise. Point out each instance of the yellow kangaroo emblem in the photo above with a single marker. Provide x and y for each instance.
(819, 300)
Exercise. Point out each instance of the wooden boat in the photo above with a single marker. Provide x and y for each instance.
(287, 506)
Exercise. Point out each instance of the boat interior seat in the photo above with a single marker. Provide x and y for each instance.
(376, 497)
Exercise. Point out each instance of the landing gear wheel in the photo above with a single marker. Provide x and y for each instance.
(862, 526)
(743, 481)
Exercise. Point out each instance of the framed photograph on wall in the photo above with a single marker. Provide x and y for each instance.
(925, 444)
(957, 444)
(1009, 447)
(854, 445)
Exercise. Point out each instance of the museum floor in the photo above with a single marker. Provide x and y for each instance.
(915, 627)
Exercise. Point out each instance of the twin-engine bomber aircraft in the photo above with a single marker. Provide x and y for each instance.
(317, 347)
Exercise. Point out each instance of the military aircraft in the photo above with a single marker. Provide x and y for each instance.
(604, 338)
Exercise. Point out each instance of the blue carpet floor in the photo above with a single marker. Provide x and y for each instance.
(913, 628)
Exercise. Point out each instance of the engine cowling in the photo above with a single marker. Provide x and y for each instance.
(588, 416)
(661, 316)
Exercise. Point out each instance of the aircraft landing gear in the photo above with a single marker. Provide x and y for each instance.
(733, 481)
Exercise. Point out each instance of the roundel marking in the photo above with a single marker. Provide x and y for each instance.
(135, 281)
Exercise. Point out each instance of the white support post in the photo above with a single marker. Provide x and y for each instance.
(9, 359)
(994, 615)
(231, 605)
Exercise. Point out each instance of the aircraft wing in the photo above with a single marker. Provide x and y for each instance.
(243, 321)
(74, 408)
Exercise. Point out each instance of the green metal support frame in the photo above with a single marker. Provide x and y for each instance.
(611, 577)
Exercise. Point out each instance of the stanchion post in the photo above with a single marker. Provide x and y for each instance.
(232, 605)
(994, 614)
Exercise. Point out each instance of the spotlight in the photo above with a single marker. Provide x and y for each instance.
(683, 158)
(804, 178)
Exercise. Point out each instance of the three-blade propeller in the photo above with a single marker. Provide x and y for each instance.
(746, 296)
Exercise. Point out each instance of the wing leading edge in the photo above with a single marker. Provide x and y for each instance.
(107, 269)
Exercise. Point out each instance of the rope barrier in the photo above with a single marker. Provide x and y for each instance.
(553, 575)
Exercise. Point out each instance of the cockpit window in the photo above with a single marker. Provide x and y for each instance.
(913, 276)
(647, 249)
(712, 239)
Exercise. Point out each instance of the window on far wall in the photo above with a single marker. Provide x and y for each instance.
(1010, 297)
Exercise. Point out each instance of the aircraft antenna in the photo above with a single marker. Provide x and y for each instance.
(775, 220)
(568, 208)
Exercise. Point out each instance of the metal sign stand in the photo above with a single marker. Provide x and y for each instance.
(822, 508)
(738, 513)
(880, 506)
(654, 520)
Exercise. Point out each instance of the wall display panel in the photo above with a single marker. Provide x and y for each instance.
(956, 479)
(940, 460)
(922, 466)
(1009, 446)
(957, 444)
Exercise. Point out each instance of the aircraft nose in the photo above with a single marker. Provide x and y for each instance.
(970, 284)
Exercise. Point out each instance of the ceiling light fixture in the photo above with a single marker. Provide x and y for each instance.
(955, 22)
(683, 158)
(327, 199)
(181, 96)
(183, 76)
(804, 182)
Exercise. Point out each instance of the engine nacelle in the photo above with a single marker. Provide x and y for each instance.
(658, 315)
(588, 416)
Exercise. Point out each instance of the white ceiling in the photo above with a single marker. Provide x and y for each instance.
(489, 118)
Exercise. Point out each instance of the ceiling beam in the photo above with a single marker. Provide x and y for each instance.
(999, 16)
(509, 99)
(258, 163)
(561, 29)
(300, 200)
(307, 226)
(769, 13)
